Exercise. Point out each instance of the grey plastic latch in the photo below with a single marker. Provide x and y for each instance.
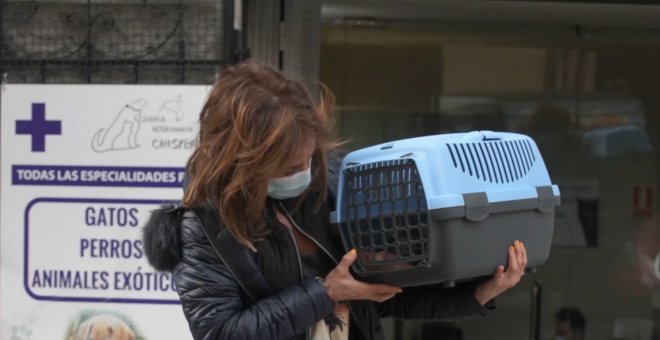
(476, 206)
(546, 199)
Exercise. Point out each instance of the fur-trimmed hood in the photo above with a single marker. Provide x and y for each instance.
(162, 238)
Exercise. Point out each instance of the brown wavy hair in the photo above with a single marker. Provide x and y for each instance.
(253, 122)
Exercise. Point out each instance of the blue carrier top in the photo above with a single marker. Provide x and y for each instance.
(440, 169)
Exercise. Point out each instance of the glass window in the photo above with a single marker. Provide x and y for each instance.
(592, 104)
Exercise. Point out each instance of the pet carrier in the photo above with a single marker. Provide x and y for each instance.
(444, 208)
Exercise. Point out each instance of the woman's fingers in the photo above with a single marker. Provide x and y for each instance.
(499, 273)
(380, 297)
(376, 288)
(517, 262)
(519, 255)
(517, 267)
(504, 279)
(341, 285)
(383, 288)
(375, 292)
(347, 260)
(513, 261)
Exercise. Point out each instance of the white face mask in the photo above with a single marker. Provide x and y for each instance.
(290, 186)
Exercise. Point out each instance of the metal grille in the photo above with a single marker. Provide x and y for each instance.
(113, 41)
(494, 161)
(386, 215)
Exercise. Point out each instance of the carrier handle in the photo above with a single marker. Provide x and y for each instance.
(481, 136)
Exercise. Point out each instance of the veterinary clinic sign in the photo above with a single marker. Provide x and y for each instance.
(82, 167)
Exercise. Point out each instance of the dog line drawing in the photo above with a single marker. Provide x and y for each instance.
(173, 106)
(122, 133)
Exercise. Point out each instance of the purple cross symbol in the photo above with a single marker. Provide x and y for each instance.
(38, 127)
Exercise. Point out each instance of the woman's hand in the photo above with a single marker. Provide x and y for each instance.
(341, 285)
(504, 280)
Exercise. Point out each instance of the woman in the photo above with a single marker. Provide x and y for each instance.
(258, 179)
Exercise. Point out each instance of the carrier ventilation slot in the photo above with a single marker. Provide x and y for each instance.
(386, 215)
(493, 161)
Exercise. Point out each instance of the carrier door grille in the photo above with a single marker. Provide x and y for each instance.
(386, 215)
(493, 161)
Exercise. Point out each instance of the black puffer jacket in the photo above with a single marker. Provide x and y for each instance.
(281, 304)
